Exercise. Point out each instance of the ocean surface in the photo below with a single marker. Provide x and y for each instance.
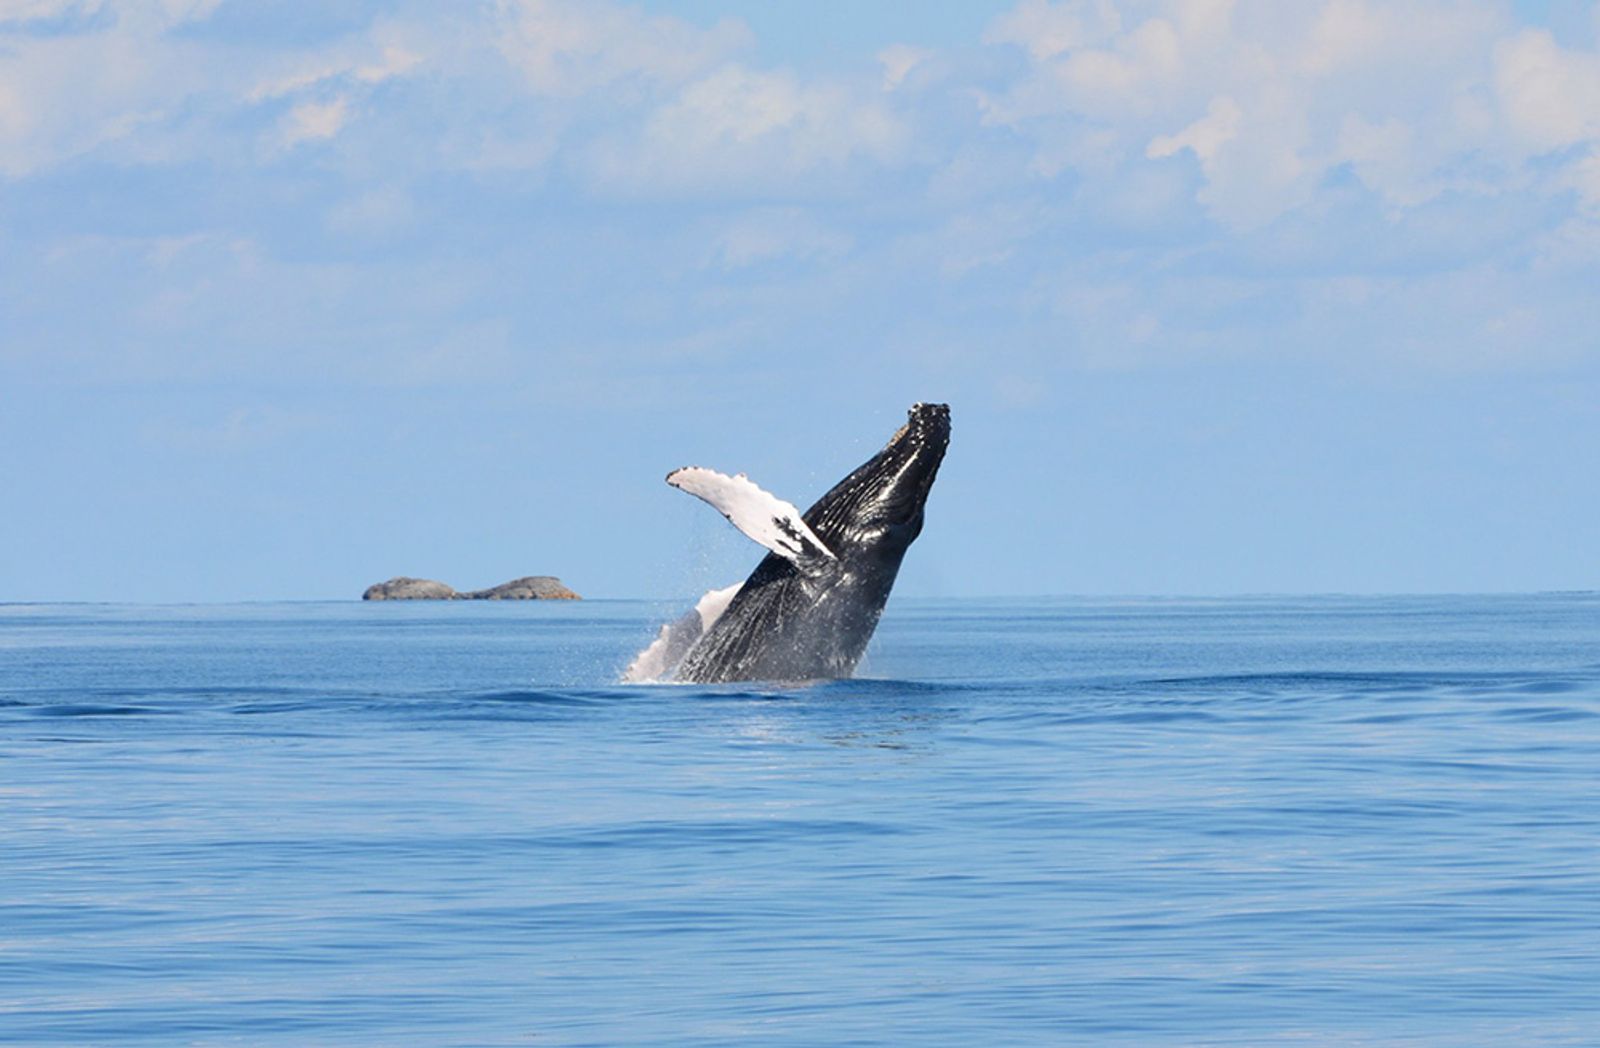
(1260, 821)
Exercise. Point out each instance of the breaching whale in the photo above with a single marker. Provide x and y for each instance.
(811, 605)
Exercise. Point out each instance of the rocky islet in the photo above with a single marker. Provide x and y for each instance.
(529, 587)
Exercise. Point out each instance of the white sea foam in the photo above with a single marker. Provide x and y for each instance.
(657, 662)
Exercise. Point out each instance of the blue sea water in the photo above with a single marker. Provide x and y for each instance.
(1351, 821)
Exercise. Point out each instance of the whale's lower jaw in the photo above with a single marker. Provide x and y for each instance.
(815, 653)
(803, 647)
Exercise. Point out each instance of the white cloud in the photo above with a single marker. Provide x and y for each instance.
(1046, 30)
(738, 127)
(373, 213)
(40, 10)
(1255, 162)
(568, 49)
(148, 12)
(14, 118)
(1572, 246)
(1550, 95)
(768, 234)
(392, 60)
(1344, 32)
(323, 88)
(1134, 75)
(973, 239)
(116, 79)
(736, 105)
(67, 95)
(1307, 132)
(1205, 137)
(898, 60)
(633, 99)
(173, 12)
(1385, 157)
(313, 121)
(1584, 176)
(1416, 97)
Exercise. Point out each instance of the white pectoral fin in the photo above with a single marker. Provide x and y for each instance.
(761, 515)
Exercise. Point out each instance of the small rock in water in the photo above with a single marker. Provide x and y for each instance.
(529, 587)
(403, 587)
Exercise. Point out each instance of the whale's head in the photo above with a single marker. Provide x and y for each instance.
(878, 508)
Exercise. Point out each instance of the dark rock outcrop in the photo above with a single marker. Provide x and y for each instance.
(529, 587)
(403, 587)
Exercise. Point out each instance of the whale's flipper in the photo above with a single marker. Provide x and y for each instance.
(761, 515)
(657, 662)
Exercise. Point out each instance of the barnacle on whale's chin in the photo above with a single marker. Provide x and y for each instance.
(926, 424)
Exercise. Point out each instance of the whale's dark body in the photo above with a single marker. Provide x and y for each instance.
(810, 616)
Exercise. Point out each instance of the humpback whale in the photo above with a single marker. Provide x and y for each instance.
(809, 608)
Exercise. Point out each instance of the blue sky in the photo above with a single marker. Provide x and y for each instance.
(1226, 297)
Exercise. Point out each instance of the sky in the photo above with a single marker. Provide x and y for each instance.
(1226, 297)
